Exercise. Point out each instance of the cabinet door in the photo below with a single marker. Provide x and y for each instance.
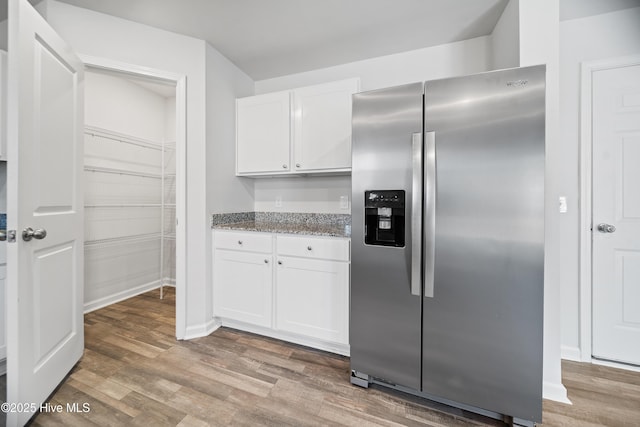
(263, 133)
(242, 287)
(3, 105)
(3, 338)
(322, 126)
(312, 298)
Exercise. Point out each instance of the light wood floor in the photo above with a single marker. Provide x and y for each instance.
(134, 372)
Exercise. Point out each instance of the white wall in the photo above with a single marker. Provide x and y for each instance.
(170, 119)
(539, 44)
(303, 194)
(597, 37)
(447, 60)
(225, 192)
(505, 38)
(103, 36)
(315, 194)
(122, 106)
(225, 83)
(3, 207)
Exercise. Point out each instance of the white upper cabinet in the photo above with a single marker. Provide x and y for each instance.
(322, 126)
(3, 105)
(263, 134)
(305, 130)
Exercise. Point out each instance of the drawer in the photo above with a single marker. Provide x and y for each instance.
(243, 241)
(313, 247)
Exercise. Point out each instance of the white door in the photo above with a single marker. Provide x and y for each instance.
(45, 273)
(616, 202)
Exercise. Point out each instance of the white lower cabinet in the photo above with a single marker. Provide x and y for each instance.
(3, 324)
(312, 298)
(304, 299)
(243, 277)
(244, 287)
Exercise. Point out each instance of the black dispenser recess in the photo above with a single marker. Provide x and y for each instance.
(384, 217)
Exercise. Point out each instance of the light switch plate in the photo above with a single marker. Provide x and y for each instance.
(562, 204)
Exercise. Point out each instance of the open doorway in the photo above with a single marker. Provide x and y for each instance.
(129, 191)
(134, 192)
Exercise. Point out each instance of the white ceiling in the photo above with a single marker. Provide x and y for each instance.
(162, 88)
(269, 38)
(573, 9)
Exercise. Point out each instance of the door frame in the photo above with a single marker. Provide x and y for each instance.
(180, 81)
(586, 191)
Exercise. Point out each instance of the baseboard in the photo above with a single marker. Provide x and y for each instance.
(555, 391)
(197, 331)
(331, 347)
(169, 282)
(120, 296)
(571, 353)
(618, 365)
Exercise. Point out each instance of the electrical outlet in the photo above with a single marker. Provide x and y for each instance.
(278, 201)
(344, 202)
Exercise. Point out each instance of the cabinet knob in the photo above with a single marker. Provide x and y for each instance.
(266, 261)
(297, 165)
(309, 248)
(284, 166)
(279, 262)
(239, 242)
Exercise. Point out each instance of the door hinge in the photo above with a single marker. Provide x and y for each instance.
(11, 236)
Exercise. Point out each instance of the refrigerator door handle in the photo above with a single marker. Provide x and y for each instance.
(416, 214)
(429, 213)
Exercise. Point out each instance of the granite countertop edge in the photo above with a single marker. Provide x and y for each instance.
(284, 228)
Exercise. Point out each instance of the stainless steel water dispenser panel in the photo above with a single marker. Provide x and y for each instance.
(384, 217)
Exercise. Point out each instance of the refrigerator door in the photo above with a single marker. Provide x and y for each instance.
(385, 324)
(482, 342)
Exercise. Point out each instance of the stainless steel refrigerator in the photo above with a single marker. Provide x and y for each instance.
(448, 241)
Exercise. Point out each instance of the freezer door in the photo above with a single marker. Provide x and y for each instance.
(385, 324)
(482, 343)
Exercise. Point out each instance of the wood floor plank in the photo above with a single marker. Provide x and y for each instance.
(178, 374)
(150, 409)
(203, 406)
(191, 421)
(99, 412)
(136, 379)
(135, 373)
(99, 363)
(102, 397)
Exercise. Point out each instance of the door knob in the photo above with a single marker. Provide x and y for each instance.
(606, 228)
(29, 233)
(3, 235)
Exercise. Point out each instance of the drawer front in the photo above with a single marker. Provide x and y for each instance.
(246, 242)
(313, 247)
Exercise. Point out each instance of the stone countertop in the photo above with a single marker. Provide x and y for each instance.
(288, 228)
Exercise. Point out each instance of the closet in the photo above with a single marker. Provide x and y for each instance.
(129, 178)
